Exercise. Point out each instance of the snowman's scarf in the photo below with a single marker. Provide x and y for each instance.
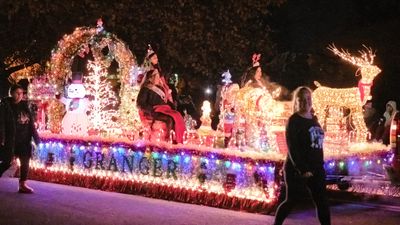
(74, 104)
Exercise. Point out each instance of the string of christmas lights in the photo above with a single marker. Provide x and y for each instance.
(118, 157)
(94, 39)
(103, 103)
(181, 168)
(326, 100)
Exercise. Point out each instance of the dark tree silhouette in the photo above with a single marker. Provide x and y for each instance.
(200, 38)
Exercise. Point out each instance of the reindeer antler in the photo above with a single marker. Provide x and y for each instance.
(367, 57)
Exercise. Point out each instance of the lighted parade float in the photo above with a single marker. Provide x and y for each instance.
(351, 162)
(92, 135)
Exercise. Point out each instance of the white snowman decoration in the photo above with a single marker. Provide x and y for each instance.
(75, 121)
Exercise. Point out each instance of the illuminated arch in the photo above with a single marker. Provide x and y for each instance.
(79, 42)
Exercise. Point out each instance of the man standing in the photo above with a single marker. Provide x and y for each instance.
(16, 132)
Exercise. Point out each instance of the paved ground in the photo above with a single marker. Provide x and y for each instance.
(66, 205)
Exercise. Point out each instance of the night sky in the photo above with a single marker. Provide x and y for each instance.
(309, 26)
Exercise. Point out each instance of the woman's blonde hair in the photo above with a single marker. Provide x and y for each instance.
(296, 93)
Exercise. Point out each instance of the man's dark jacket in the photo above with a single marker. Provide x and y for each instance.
(8, 134)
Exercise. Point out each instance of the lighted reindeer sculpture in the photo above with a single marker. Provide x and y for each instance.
(325, 98)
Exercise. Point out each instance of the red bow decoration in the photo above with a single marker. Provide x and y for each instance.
(140, 78)
(256, 57)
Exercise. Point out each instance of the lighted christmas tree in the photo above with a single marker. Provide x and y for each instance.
(103, 100)
(129, 115)
(55, 114)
